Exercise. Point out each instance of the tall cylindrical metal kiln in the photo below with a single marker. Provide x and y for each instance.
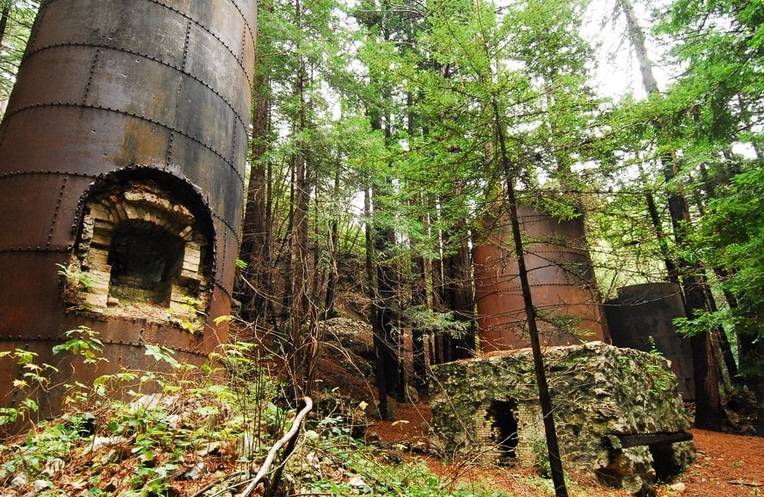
(561, 277)
(122, 156)
(642, 318)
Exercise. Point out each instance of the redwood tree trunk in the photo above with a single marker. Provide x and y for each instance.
(418, 337)
(385, 325)
(299, 245)
(708, 408)
(380, 375)
(254, 248)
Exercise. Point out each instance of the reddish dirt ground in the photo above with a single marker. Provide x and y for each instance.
(727, 465)
(411, 426)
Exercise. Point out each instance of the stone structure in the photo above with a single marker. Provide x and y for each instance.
(618, 412)
(141, 254)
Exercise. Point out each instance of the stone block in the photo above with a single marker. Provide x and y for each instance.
(598, 391)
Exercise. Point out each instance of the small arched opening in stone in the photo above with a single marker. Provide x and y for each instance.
(501, 414)
(143, 251)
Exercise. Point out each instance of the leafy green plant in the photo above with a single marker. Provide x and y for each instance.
(381, 475)
(162, 354)
(187, 315)
(82, 341)
(428, 320)
(32, 378)
(541, 456)
(663, 379)
(76, 278)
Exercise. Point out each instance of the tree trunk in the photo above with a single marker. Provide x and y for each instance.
(286, 301)
(672, 275)
(254, 247)
(4, 20)
(545, 399)
(708, 410)
(314, 310)
(371, 278)
(386, 297)
(299, 245)
(418, 337)
(334, 249)
(637, 37)
(459, 298)
(387, 284)
(440, 342)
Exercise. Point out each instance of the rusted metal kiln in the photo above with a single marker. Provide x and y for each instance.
(562, 283)
(642, 318)
(122, 157)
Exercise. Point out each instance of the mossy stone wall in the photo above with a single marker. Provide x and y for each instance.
(598, 391)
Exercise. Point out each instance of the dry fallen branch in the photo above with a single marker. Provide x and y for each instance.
(745, 483)
(215, 483)
(276, 447)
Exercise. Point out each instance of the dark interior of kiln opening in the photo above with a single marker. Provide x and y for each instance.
(501, 413)
(144, 258)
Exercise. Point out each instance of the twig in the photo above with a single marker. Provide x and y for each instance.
(276, 447)
(216, 483)
(745, 483)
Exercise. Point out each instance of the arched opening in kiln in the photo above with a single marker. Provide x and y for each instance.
(665, 466)
(501, 414)
(143, 251)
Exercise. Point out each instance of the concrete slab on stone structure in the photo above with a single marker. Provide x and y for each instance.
(487, 408)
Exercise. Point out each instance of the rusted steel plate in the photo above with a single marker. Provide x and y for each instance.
(561, 277)
(642, 318)
(30, 296)
(120, 86)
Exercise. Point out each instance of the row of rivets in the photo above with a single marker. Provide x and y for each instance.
(148, 57)
(136, 116)
(11, 174)
(56, 211)
(91, 73)
(248, 27)
(37, 248)
(35, 172)
(39, 338)
(201, 25)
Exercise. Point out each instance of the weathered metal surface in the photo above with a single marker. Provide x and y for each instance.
(109, 86)
(561, 277)
(642, 318)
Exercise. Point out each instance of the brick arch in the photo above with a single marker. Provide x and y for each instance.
(163, 202)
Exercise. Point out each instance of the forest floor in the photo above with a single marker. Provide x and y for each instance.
(727, 465)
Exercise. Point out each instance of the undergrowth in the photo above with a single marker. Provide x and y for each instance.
(199, 432)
